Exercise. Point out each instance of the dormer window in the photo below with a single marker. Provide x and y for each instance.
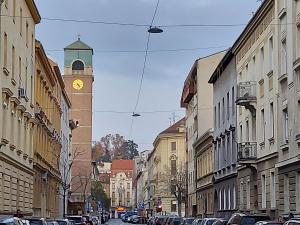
(77, 65)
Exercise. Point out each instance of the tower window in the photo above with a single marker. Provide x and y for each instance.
(77, 65)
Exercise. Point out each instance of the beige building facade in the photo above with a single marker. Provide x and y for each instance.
(17, 64)
(168, 154)
(257, 109)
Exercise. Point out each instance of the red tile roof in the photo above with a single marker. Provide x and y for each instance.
(122, 165)
(174, 129)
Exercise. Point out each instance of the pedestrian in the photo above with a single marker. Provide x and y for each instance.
(18, 214)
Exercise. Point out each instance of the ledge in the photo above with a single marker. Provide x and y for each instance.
(284, 147)
(12, 147)
(271, 140)
(13, 81)
(296, 63)
(5, 71)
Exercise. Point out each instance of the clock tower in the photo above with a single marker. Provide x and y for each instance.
(78, 77)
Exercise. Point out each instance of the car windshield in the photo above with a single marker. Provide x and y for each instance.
(245, 220)
(75, 219)
(62, 222)
(35, 222)
(189, 221)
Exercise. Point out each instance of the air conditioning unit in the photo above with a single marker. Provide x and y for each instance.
(22, 93)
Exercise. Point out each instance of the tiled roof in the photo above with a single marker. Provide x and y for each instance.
(122, 165)
(78, 45)
(175, 127)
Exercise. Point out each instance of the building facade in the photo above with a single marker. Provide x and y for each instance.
(225, 152)
(168, 154)
(257, 95)
(78, 77)
(17, 63)
(203, 147)
(47, 139)
(67, 125)
(189, 101)
(288, 192)
(121, 184)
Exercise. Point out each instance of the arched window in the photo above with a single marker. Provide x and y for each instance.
(77, 65)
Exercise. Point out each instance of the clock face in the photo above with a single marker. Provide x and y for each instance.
(77, 84)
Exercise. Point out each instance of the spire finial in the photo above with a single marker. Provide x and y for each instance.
(78, 35)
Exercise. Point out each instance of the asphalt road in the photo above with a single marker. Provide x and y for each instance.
(117, 222)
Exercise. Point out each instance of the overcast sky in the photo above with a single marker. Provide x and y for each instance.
(117, 74)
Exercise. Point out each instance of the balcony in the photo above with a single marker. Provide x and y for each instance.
(247, 152)
(246, 95)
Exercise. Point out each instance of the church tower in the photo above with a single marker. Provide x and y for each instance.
(78, 77)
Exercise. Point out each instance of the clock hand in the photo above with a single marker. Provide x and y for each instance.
(78, 85)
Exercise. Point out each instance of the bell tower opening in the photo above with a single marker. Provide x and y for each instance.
(78, 65)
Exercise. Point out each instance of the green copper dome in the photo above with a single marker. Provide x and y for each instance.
(78, 50)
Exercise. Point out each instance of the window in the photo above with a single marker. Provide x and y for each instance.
(227, 106)
(215, 117)
(286, 193)
(5, 51)
(272, 120)
(261, 88)
(78, 65)
(247, 131)
(128, 196)
(14, 10)
(173, 206)
(173, 167)
(232, 101)
(220, 199)
(263, 192)
(285, 125)
(13, 62)
(113, 186)
(262, 61)
(6, 3)
(271, 54)
(173, 146)
(241, 133)
(283, 57)
(262, 114)
(128, 185)
(224, 199)
(21, 21)
(242, 195)
(27, 27)
(219, 118)
(298, 192)
(20, 68)
(229, 198)
(248, 194)
(272, 190)
(234, 197)
(223, 110)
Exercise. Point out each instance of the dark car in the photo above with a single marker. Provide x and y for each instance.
(79, 220)
(51, 222)
(60, 221)
(187, 221)
(292, 222)
(170, 219)
(220, 222)
(37, 221)
(151, 221)
(176, 221)
(160, 220)
(243, 219)
(197, 221)
(269, 223)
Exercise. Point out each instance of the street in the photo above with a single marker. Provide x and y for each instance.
(116, 222)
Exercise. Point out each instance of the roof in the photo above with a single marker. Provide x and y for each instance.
(122, 165)
(174, 129)
(34, 11)
(221, 67)
(78, 45)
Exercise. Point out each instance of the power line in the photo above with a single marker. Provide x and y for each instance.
(150, 51)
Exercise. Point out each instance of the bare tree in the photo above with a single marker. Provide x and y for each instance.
(174, 178)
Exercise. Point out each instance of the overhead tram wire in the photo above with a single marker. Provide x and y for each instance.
(143, 71)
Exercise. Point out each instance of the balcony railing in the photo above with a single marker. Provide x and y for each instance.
(247, 151)
(246, 92)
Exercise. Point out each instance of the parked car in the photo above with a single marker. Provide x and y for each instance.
(220, 222)
(188, 221)
(151, 221)
(25, 222)
(51, 222)
(197, 221)
(208, 221)
(243, 219)
(160, 220)
(269, 223)
(79, 220)
(131, 218)
(170, 219)
(176, 221)
(139, 220)
(128, 214)
(37, 221)
(8, 220)
(60, 221)
(292, 222)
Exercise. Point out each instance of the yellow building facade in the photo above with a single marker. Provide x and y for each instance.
(168, 154)
(17, 34)
(47, 141)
